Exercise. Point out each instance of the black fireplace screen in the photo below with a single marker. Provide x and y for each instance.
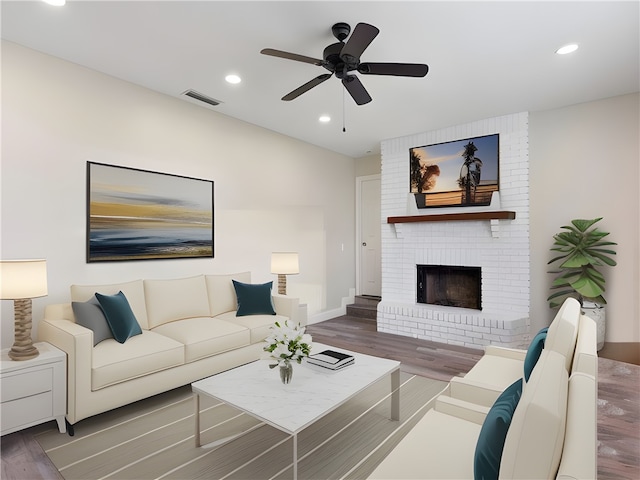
(450, 286)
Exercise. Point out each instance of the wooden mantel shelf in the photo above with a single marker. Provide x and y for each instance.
(454, 217)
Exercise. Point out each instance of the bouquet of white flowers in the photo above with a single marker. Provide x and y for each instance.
(287, 344)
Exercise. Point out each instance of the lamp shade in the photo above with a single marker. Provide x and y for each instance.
(284, 263)
(23, 279)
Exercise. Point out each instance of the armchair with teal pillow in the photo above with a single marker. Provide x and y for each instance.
(120, 317)
(254, 299)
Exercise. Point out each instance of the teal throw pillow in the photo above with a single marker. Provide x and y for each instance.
(120, 317)
(89, 314)
(533, 352)
(486, 462)
(254, 299)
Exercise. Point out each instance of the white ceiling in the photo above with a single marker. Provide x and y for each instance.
(486, 58)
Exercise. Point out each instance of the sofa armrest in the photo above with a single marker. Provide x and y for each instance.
(455, 407)
(285, 305)
(513, 353)
(472, 391)
(579, 453)
(77, 342)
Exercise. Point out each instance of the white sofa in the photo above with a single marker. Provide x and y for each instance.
(553, 430)
(190, 330)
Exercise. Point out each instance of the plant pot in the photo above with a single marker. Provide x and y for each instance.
(286, 372)
(597, 313)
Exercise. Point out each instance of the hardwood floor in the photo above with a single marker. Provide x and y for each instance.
(421, 357)
(618, 397)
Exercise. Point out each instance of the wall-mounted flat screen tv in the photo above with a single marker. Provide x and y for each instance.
(455, 174)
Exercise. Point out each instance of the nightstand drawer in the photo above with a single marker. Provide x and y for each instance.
(24, 411)
(25, 384)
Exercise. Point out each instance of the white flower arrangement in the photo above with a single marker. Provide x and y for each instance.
(287, 344)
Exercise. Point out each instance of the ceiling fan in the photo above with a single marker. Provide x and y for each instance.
(342, 57)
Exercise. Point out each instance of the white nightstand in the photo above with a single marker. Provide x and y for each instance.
(33, 391)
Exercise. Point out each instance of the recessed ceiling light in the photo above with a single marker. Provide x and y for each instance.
(55, 3)
(572, 47)
(324, 118)
(233, 79)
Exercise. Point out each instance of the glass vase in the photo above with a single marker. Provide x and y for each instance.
(286, 372)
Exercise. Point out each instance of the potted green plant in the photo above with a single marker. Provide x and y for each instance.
(582, 250)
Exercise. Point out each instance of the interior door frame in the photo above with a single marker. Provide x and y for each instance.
(359, 181)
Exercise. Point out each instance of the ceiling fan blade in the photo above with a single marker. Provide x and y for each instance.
(356, 89)
(397, 69)
(290, 56)
(306, 87)
(359, 40)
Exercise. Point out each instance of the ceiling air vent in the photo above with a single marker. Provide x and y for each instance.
(202, 98)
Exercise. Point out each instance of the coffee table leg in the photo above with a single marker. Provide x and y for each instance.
(395, 395)
(196, 403)
(295, 456)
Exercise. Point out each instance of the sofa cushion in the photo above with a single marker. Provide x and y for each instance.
(134, 291)
(439, 446)
(222, 295)
(533, 352)
(89, 314)
(205, 336)
(534, 442)
(120, 317)
(497, 371)
(254, 299)
(488, 452)
(176, 299)
(114, 362)
(563, 331)
(258, 325)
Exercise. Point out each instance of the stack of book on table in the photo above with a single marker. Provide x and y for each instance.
(331, 359)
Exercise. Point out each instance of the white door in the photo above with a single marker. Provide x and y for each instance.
(368, 238)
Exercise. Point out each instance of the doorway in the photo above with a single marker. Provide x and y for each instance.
(368, 244)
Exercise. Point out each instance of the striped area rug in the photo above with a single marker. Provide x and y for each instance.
(154, 439)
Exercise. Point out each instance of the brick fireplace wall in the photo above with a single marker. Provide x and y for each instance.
(499, 247)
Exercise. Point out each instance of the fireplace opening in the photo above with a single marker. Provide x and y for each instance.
(450, 286)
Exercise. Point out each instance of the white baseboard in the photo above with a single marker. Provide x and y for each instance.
(336, 312)
(326, 315)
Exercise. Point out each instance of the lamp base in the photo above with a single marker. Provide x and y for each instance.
(23, 348)
(282, 284)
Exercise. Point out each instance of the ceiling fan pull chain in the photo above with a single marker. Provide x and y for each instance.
(344, 128)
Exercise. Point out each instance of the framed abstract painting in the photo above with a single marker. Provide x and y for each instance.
(135, 214)
(455, 174)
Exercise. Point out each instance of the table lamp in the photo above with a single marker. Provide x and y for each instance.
(283, 264)
(20, 281)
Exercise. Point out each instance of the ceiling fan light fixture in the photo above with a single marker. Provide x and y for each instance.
(324, 119)
(233, 79)
(570, 48)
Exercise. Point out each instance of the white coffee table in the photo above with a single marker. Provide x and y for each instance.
(312, 393)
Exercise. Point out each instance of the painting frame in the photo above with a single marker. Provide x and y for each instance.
(449, 174)
(134, 214)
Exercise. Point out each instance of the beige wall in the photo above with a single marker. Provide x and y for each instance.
(369, 165)
(272, 193)
(584, 163)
